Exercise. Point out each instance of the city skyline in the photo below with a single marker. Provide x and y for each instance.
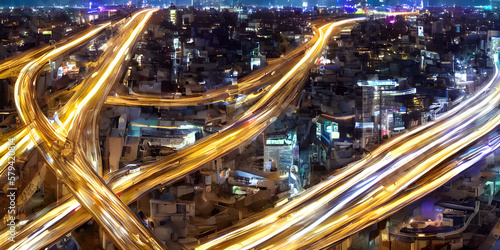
(262, 3)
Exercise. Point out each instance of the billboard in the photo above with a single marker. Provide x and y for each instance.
(327, 130)
(495, 43)
(420, 31)
(366, 127)
(332, 129)
(378, 83)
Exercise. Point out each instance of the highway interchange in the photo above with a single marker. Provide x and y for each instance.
(351, 199)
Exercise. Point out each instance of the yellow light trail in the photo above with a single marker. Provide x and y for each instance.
(132, 235)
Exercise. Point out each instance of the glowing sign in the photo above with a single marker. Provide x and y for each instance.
(360, 11)
(378, 83)
(409, 91)
(363, 125)
(486, 7)
(335, 135)
(275, 141)
(291, 139)
(495, 43)
(332, 128)
(318, 130)
(173, 16)
(420, 31)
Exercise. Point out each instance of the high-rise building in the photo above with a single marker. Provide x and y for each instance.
(173, 16)
(369, 108)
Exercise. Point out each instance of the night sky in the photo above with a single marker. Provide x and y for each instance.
(8, 3)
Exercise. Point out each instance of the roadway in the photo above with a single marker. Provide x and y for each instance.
(181, 163)
(259, 78)
(372, 189)
(22, 138)
(12, 66)
(59, 143)
(320, 212)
